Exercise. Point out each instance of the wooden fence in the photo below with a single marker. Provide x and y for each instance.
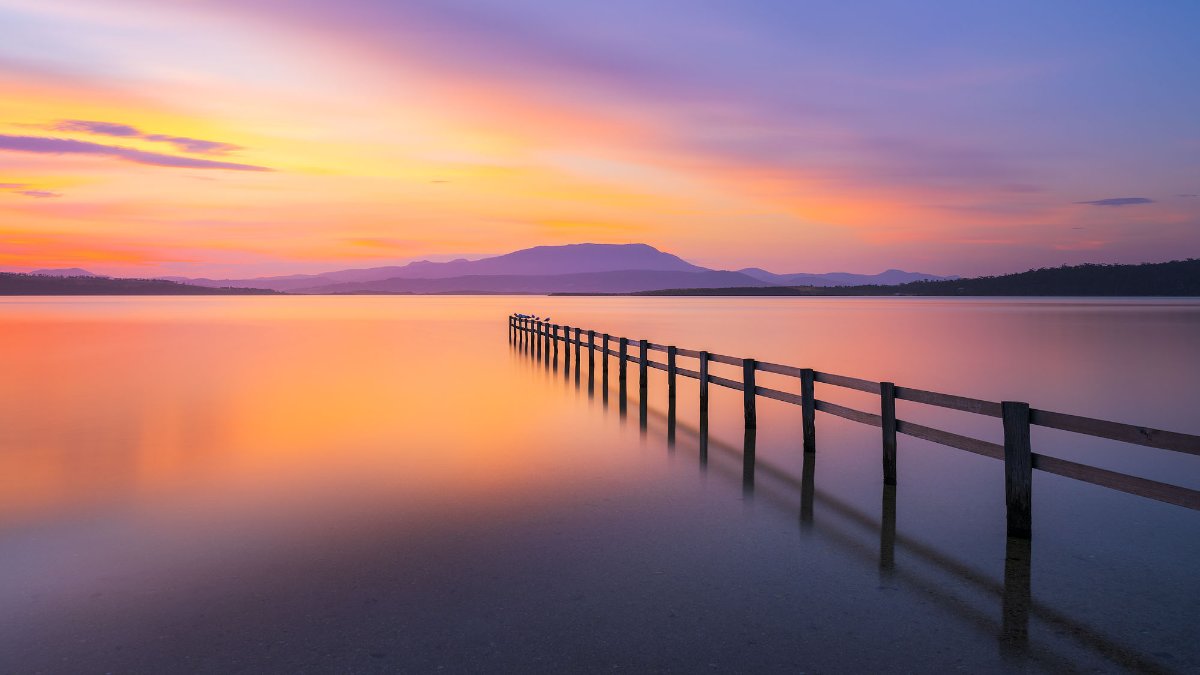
(1016, 417)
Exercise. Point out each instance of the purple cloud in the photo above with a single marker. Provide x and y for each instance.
(39, 194)
(102, 128)
(11, 186)
(183, 143)
(1119, 201)
(59, 146)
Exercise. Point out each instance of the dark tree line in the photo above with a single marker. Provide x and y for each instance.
(1176, 278)
(37, 284)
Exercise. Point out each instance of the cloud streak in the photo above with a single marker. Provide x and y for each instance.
(1119, 201)
(182, 143)
(39, 194)
(62, 146)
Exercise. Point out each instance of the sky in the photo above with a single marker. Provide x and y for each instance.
(238, 138)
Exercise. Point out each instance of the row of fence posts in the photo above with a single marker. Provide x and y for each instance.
(1016, 599)
(1018, 460)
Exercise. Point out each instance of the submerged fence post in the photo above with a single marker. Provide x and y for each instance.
(591, 351)
(622, 363)
(887, 411)
(643, 376)
(643, 348)
(538, 337)
(578, 346)
(748, 394)
(704, 388)
(808, 410)
(555, 338)
(604, 360)
(671, 368)
(1018, 469)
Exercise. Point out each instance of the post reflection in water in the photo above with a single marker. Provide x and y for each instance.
(749, 441)
(808, 481)
(1014, 632)
(887, 534)
(671, 428)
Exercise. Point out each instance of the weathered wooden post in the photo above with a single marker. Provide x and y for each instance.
(703, 359)
(643, 377)
(887, 408)
(578, 345)
(808, 410)
(591, 351)
(622, 363)
(554, 336)
(604, 359)
(748, 394)
(643, 348)
(671, 372)
(537, 338)
(1018, 469)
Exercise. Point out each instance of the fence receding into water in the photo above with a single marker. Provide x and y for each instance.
(1016, 417)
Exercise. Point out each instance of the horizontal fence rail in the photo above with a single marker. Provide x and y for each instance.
(543, 338)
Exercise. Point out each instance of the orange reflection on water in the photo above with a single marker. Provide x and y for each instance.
(167, 400)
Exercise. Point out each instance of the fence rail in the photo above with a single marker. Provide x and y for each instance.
(1017, 417)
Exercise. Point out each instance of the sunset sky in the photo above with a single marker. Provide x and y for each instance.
(234, 138)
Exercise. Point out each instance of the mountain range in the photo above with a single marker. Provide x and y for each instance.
(572, 268)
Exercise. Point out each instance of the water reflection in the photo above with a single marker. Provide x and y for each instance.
(385, 482)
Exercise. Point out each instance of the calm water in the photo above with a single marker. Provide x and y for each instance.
(385, 483)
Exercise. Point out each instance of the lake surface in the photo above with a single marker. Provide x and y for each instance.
(356, 484)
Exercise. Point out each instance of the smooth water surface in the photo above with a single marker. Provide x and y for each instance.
(386, 483)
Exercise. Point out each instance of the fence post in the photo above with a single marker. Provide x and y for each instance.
(887, 409)
(604, 359)
(643, 348)
(704, 387)
(591, 351)
(555, 338)
(578, 346)
(621, 361)
(671, 354)
(643, 382)
(808, 410)
(1018, 469)
(537, 338)
(748, 395)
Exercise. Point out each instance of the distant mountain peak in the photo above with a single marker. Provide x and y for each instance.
(64, 272)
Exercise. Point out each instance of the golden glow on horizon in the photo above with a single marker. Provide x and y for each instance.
(381, 150)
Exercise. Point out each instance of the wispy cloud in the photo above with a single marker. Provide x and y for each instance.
(1119, 201)
(11, 186)
(39, 194)
(61, 146)
(182, 143)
